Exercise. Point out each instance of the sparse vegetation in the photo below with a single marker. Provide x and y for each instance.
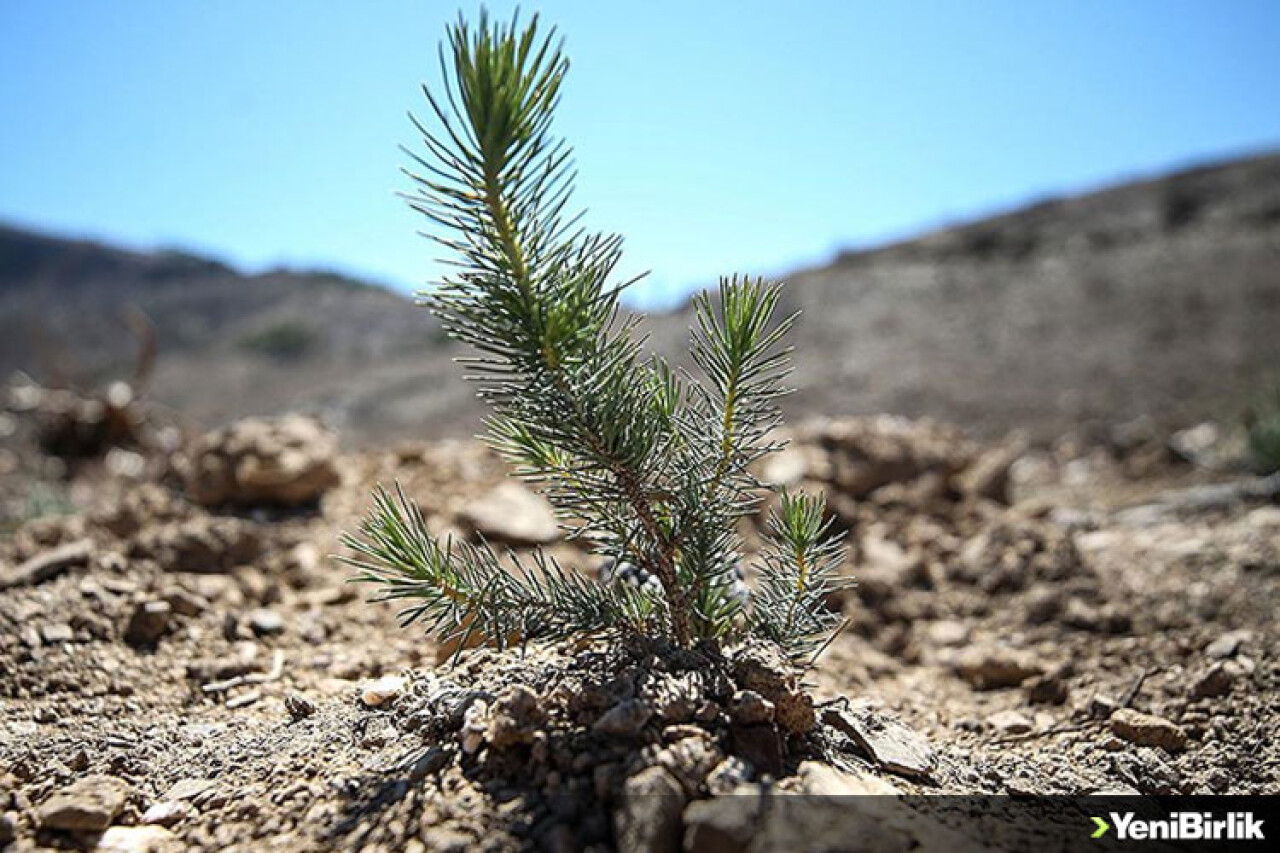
(1262, 421)
(651, 466)
(285, 340)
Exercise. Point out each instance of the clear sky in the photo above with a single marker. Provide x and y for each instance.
(717, 136)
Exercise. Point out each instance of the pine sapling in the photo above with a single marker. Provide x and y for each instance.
(651, 465)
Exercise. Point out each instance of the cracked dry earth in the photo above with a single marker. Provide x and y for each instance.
(179, 676)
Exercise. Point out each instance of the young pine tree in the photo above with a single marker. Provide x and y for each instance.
(651, 465)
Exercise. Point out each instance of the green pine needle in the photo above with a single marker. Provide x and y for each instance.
(648, 465)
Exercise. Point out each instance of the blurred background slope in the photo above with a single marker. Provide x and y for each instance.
(261, 141)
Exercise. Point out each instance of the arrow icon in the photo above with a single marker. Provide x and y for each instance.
(1103, 826)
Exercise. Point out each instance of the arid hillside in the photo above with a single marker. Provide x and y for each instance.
(1159, 298)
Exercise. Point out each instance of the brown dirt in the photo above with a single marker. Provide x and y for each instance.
(1005, 635)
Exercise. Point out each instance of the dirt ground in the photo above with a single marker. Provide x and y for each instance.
(1075, 619)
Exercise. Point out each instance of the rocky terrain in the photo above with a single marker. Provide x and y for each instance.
(182, 666)
(1155, 297)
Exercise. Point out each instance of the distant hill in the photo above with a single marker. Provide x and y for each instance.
(229, 344)
(1157, 297)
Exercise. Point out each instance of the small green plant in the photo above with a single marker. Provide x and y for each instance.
(1262, 425)
(650, 465)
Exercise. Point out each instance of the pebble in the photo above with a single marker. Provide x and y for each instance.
(431, 761)
(48, 565)
(1214, 681)
(168, 812)
(1228, 644)
(1048, 689)
(58, 632)
(728, 775)
(1102, 706)
(88, 804)
(948, 633)
(889, 742)
(1010, 722)
(148, 623)
(516, 718)
(649, 818)
(625, 719)
(993, 667)
(760, 746)
(763, 668)
(8, 827)
(266, 623)
(135, 839)
(183, 602)
(1148, 730)
(748, 708)
(513, 514)
(188, 789)
(299, 706)
(377, 693)
(823, 780)
(474, 727)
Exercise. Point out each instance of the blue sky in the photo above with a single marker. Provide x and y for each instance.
(717, 136)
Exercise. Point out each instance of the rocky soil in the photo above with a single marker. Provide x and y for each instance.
(182, 665)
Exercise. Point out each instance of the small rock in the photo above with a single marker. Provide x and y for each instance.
(148, 623)
(763, 668)
(288, 461)
(721, 824)
(8, 827)
(168, 813)
(674, 698)
(515, 718)
(1228, 644)
(475, 726)
(1010, 723)
(88, 804)
(649, 818)
(204, 545)
(48, 565)
(1214, 681)
(728, 775)
(189, 789)
(760, 746)
(1041, 605)
(136, 839)
(948, 632)
(1048, 689)
(626, 719)
(787, 467)
(889, 742)
(57, 632)
(823, 780)
(1102, 706)
(992, 667)
(383, 690)
(988, 477)
(690, 760)
(431, 761)
(266, 623)
(184, 602)
(749, 708)
(299, 706)
(1148, 730)
(512, 514)
(1105, 619)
